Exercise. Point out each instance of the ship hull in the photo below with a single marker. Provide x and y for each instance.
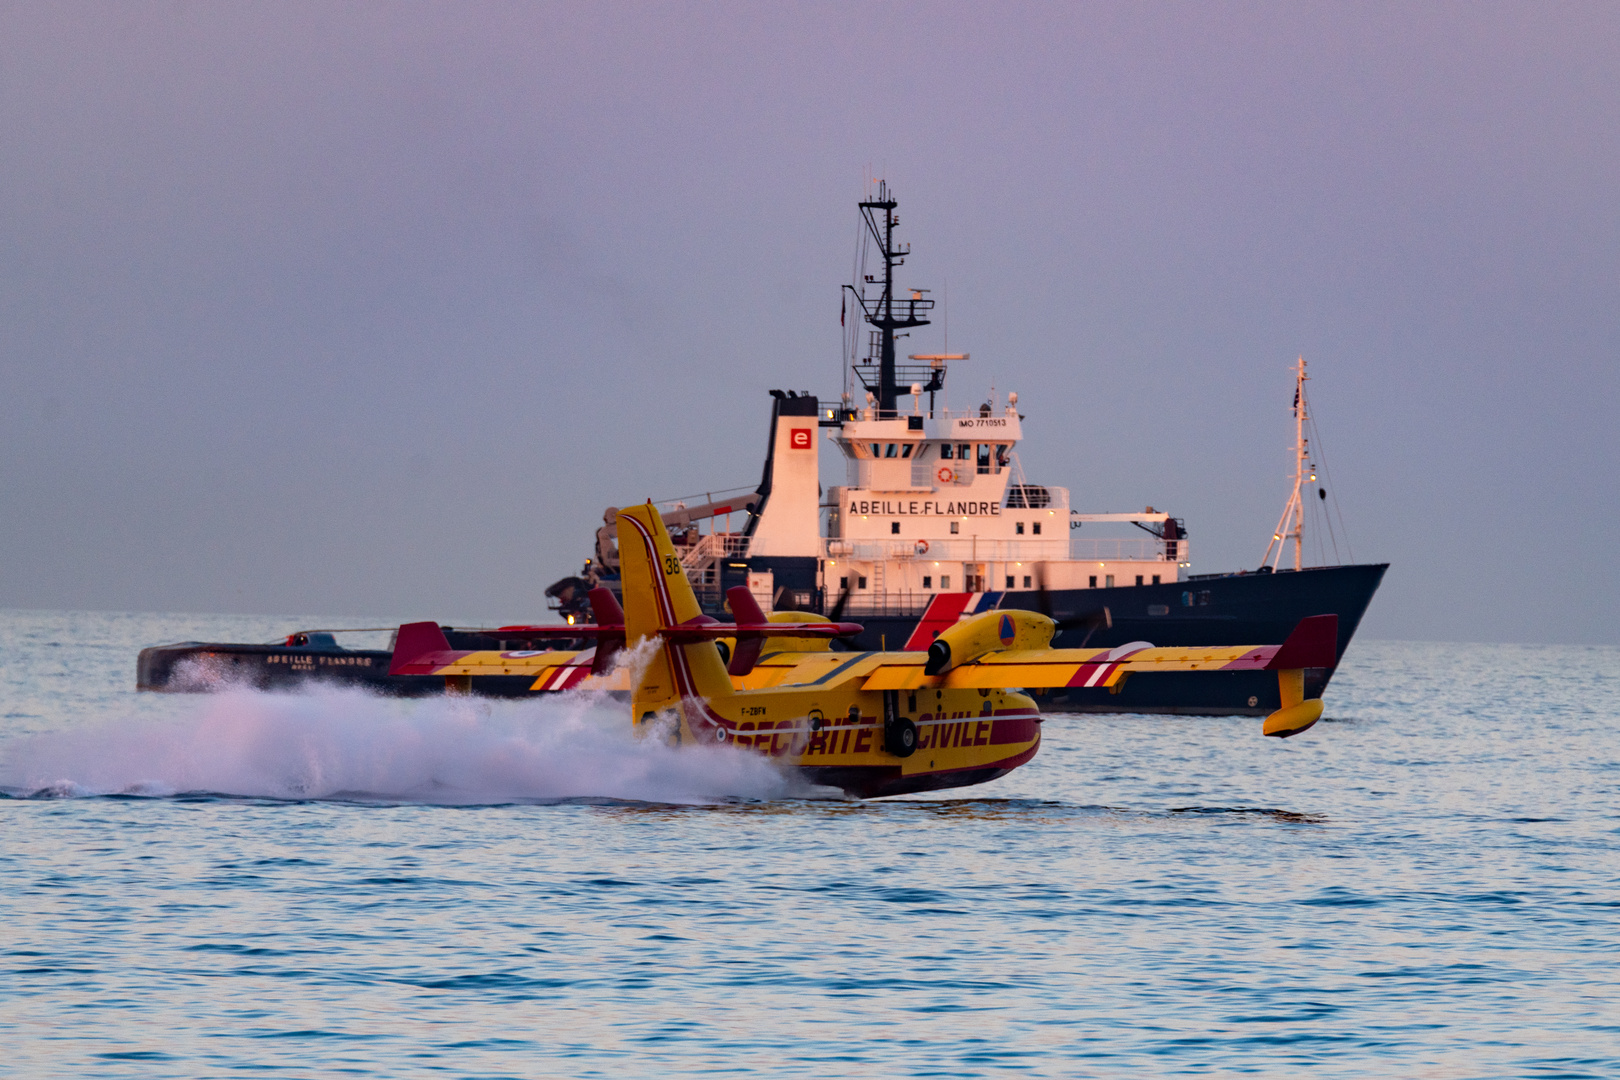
(1209, 610)
(200, 667)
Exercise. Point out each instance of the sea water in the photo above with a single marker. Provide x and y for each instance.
(332, 884)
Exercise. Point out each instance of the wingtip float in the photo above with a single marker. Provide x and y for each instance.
(871, 723)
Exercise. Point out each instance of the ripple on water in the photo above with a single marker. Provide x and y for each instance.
(329, 884)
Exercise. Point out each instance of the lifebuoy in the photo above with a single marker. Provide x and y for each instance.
(922, 547)
(946, 474)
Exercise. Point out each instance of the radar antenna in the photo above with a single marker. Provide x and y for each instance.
(884, 312)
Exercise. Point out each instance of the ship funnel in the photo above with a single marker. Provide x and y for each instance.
(786, 522)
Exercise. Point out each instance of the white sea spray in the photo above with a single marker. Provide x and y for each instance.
(334, 743)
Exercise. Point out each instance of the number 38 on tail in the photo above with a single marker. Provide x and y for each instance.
(871, 723)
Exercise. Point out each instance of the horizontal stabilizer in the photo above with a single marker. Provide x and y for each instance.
(609, 623)
(540, 633)
(1314, 643)
(689, 632)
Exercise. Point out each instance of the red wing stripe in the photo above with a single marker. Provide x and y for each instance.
(1252, 660)
(943, 611)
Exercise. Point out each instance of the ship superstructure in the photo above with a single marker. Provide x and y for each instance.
(936, 522)
(935, 500)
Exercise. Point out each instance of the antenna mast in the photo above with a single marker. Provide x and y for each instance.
(884, 312)
(1292, 522)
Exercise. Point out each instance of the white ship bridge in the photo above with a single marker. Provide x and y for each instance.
(934, 502)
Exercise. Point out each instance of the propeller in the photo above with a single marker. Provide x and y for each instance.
(1092, 621)
(837, 611)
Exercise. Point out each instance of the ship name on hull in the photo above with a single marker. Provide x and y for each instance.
(925, 508)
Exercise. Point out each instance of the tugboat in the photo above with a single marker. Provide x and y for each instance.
(937, 523)
(303, 657)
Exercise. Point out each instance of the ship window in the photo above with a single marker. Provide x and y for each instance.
(890, 450)
(843, 583)
(1186, 599)
(894, 528)
(944, 451)
(1018, 527)
(945, 581)
(1139, 579)
(1155, 579)
(1094, 582)
(1037, 528)
(928, 581)
(1026, 581)
(877, 449)
(860, 582)
(1108, 581)
(1009, 581)
(905, 449)
(964, 451)
(1001, 456)
(956, 527)
(984, 457)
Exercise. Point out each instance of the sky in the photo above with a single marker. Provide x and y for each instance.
(373, 308)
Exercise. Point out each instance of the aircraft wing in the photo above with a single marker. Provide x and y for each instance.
(1044, 669)
(1312, 644)
(421, 649)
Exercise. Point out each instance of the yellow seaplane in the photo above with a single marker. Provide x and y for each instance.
(870, 723)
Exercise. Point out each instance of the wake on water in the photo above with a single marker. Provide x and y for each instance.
(345, 744)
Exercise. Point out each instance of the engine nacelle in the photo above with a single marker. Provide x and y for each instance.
(967, 641)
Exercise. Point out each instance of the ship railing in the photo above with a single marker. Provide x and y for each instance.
(970, 414)
(904, 408)
(962, 549)
(874, 605)
(710, 549)
(1128, 550)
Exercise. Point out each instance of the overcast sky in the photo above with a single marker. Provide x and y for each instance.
(372, 308)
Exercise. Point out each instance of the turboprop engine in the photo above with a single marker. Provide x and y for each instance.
(990, 632)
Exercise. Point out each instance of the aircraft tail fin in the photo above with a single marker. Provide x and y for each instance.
(657, 601)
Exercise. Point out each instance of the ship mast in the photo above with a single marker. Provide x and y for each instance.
(1292, 522)
(883, 311)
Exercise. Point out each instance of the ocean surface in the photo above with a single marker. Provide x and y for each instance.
(1427, 884)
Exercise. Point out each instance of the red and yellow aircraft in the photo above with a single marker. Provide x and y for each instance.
(884, 723)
